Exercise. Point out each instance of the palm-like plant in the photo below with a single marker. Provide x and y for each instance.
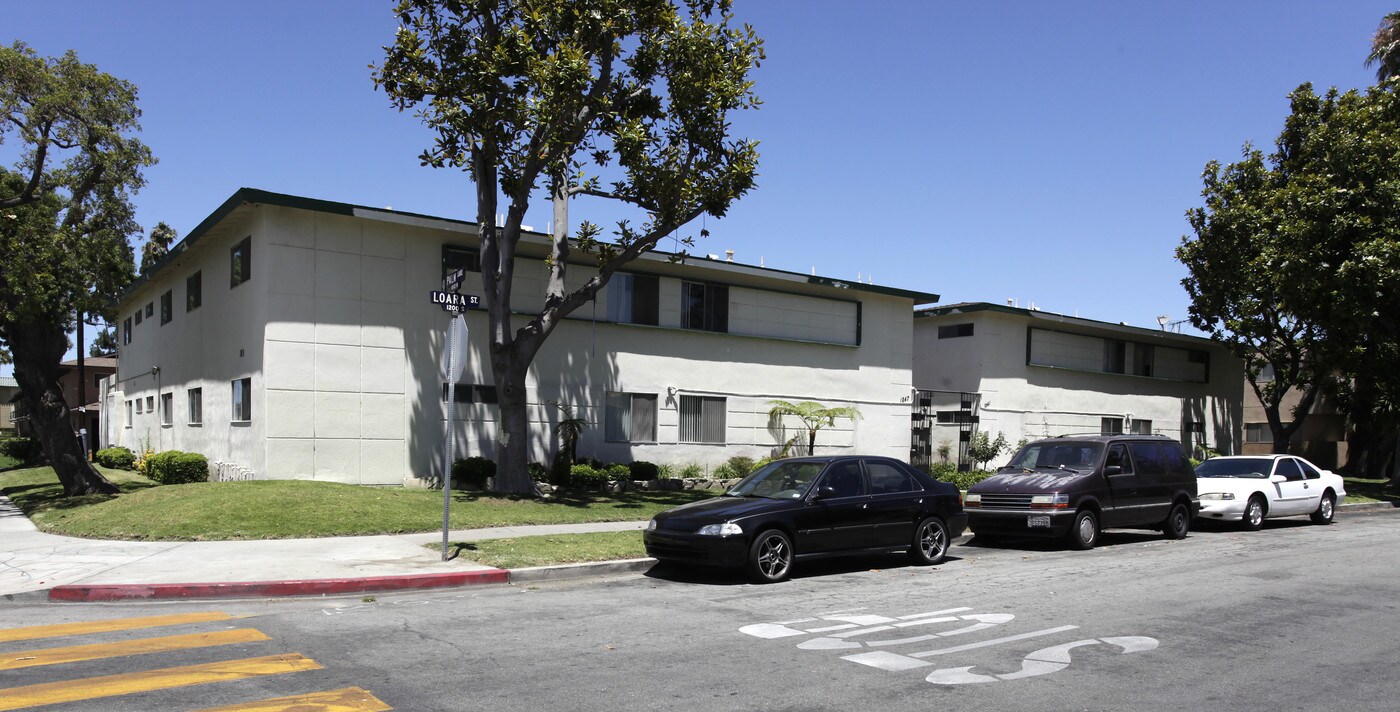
(814, 417)
(1385, 48)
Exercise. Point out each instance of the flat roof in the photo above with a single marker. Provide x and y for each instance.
(1051, 317)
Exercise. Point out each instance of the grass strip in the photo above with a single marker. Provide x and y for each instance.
(281, 509)
(551, 549)
(1361, 491)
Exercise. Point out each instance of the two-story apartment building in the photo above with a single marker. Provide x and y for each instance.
(1031, 374)
(287, 337)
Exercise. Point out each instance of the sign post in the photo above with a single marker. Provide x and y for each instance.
(455, 304)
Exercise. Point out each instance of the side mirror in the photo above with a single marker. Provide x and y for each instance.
(1276, 479)
(1112, 470)
(824, 491)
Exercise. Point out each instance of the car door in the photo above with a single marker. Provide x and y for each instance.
(1291, 495)
(894, 503)
(1122, 488)
(838, 511)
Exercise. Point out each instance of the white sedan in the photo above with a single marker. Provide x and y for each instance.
(1252, 488)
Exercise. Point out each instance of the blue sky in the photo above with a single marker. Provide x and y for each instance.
(1039, 151)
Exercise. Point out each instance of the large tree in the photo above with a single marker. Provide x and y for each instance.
(157, 245)
(65, 215)
(1385, 48)
(624, 100)
(1296, 260)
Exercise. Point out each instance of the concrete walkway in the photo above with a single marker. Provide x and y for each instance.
(35, 565)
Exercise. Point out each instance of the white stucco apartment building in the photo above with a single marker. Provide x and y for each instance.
(287, 337)
(1032, 374)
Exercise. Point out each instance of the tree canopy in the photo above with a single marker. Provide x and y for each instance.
(1295, 263)
(813, 416)
(65, 215)
(623, 100)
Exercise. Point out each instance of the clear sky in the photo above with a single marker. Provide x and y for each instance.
(1039, 151)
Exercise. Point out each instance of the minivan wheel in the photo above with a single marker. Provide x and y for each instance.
(1085, 532)
(770, 557)
(1254, 513)
(1326, 510)
(1178, 522)
(930, 542)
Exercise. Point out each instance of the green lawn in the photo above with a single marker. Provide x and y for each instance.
(551, 549)
(1360, 491)
(7, 461)
(279, 509)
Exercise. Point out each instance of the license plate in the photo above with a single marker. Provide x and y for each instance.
(1038, 520)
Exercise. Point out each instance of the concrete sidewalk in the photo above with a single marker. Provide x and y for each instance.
(39, 566)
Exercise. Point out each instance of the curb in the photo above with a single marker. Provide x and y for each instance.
(310, 587)
(568, 571)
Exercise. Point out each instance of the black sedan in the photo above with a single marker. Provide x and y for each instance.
(812, 506)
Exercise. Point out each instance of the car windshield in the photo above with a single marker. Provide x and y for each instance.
(1057, 456)
(778, 480)
(1256, 467)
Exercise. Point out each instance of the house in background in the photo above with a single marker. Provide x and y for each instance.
(82, 392)
(9, 391)
(1321, 438)
(287, 337)
(1032, 374)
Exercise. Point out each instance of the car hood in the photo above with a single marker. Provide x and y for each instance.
(1028, 482)
(724, 509)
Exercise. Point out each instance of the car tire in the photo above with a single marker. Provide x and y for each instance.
(770, 557)
(1178, 522)
(930, 543)
(1326, 509)
(1084, 534)
(1253, 514)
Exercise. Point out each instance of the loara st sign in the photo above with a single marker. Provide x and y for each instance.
(454, 302)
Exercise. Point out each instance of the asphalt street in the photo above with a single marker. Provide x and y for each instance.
(1296, 616)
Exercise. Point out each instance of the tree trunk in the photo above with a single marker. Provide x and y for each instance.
(37, 355)
(513, 428)
(811, 442)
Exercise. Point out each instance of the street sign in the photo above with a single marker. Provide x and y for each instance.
(453, 281)
(454, 302)
(456, 344)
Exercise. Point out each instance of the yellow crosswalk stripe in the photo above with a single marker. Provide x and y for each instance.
(346, 699)
(92, 688)
(78, 653)
(106, 626)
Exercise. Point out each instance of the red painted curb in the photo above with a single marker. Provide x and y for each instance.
(311, 587)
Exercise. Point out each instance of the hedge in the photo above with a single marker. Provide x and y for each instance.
(118, 458)
(174, 467)
(17, 448)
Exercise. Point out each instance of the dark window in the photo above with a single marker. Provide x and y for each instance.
(702, 419)
(844, 479)
(126, 331)
(240, 264)
(633, 298)
(953, 331)
(1309, 472)
(167, 407)
(469, 393)
(1142, 427)
(138, 316)
(955, 417)
(1114, 356)
(1148, 457)
(1194, 427)
(1118, 455)
(196, 405)
(167, 307)
(194, 292)
(886, 478)
(1142, 359)
(631, 418)
(705, 306)
(243, 399)
(1110, 426)
(1258, 433)
(150, 309)
(454, 258)
(1288, 467)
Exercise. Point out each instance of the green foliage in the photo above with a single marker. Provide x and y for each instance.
(18, 447)
(948, 472)
(725, 472)
(982, 449)
(814, 416)
(587, 477)
(643, 470)
(538, 472)
(104, 343)
(157, 246)
(692, 471)
(116, 457)
(618, 473)
(472, 471)
(945, 449)
(1385, 48)
(623, 100)
(174, 467)
(667, 472)
(742, 465)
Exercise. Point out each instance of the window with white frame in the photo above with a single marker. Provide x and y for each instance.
(128, 414)
(138, 407)
(167, 407)
(702, 419)
(196, 398)
(631, 418)
(242, 399)
(150, 404)
(1258, 433)
(1111, 426)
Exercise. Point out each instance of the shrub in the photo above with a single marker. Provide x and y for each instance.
(618, 472)
(587, 477)
(643, 470)
(17, 448)
(472, 471)
(538, 472)
(724, 472)
(740, 465)
(174, 467)
(948, 472)
(692, 472)
(116, 457)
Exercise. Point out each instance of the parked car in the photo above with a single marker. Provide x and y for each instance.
(1252, 488)
(806, 507)
(1076, 486)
